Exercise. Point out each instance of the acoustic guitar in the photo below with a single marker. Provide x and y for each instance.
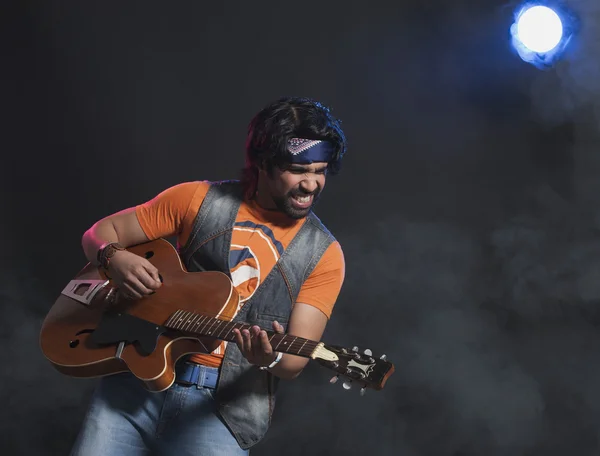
(91, 331)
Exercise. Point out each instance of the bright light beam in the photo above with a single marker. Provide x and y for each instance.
(539, 28)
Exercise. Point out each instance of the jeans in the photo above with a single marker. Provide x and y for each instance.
(126, 420)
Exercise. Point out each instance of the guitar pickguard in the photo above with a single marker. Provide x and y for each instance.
(118, 327)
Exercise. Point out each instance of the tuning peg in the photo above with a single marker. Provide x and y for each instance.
(383, 357)
(355, 349)
(347, 385)
(334, 379)
(368, 352)
(363, 390)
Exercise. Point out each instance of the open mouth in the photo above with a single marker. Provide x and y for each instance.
(302, 201)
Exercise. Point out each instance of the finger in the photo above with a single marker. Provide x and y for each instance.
(277, 327)
(146, 279)
(129, 293)
(153, 272)
(256, 342)
(266, 345)
(238, 339)
(138, 286)
(247, 341)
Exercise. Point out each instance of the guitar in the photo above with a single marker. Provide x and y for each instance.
(91, 331)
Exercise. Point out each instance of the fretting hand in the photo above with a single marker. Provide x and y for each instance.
(255, 346)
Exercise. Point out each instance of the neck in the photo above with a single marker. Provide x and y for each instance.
(205, 326)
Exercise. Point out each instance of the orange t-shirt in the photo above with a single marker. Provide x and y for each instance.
(258, 240)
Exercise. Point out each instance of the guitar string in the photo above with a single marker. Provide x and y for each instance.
(194, 322)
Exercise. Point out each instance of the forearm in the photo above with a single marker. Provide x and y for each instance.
(289, 367)
(308, 322)
(94, 238)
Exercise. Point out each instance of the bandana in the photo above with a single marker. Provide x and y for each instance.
(307, 151)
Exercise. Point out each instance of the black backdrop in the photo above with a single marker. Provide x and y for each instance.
(467, 207)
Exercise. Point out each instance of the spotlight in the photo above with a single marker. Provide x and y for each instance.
(540, 33)
(539, 28)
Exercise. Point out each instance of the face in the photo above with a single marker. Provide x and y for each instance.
(295, 189)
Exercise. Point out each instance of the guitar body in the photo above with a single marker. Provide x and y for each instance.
(91, 331)
(66, 337)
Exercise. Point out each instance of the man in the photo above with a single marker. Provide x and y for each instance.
(287, 268)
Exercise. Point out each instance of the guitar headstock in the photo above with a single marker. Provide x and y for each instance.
(361, 368)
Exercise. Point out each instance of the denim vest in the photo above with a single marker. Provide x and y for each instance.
(245, 394)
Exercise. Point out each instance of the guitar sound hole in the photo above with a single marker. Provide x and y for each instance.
(149, 254)
(74, 343)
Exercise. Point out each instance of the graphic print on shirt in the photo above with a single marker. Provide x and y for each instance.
(254, 252)
(245, 271)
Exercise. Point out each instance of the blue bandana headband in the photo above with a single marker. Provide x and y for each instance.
(306, 151)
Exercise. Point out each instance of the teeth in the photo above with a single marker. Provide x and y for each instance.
(303, 199)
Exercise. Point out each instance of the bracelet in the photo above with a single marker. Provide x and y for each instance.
(106, 252)
(272, 365)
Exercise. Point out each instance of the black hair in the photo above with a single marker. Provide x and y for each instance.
(288, 117)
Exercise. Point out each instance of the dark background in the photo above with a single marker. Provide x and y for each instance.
(467, 207)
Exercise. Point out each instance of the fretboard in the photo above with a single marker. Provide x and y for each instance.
(204, 326)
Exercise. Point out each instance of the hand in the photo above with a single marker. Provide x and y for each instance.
(255, 346)
(135, 276)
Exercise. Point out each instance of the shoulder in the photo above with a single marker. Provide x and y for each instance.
(316, 222)
(322, 287)
(183, 195)
(174, 202)
(188, 189)
(333, 256)
(225, 188)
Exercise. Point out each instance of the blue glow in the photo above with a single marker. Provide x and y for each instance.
(539, 28)
(540, 34)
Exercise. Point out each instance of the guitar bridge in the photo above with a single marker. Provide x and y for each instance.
(83, 291)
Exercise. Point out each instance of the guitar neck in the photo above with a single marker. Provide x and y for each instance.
(205, 326)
